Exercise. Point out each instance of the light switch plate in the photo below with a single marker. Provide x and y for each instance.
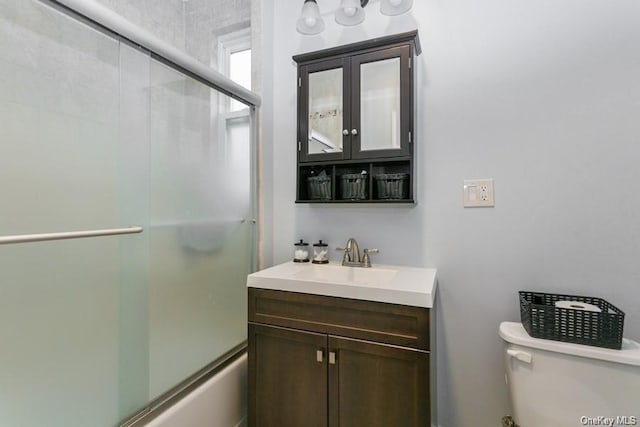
(478, 193)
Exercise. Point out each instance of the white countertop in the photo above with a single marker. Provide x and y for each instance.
(382, 283)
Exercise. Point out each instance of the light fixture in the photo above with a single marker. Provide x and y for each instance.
(351, 12)
(310, 21)
(395, 7)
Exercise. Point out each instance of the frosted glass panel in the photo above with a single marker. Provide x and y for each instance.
(59, 301)
(325, 111)
(200, 248)
(59, 104)
(133, 179)
(380, 105)
(59, 333)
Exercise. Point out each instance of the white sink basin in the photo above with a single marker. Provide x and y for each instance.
(382, 283)
(348, 275)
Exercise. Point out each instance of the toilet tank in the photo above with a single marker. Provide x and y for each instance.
(557, 384)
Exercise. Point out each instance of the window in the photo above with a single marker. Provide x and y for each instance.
(240, 72)
(234, 53)
(234, 61)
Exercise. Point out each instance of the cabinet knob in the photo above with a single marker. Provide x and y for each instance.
(354, 131)
(332, 358)
(345, 132)
(319, 356)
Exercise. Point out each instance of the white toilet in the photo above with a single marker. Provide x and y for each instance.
(557, 384)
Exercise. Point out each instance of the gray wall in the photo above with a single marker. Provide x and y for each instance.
(542, 96)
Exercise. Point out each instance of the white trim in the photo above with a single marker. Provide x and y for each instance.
(229, 43)
(235, 114)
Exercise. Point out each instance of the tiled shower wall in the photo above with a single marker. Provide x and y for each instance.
(192, 26)
(166, 22)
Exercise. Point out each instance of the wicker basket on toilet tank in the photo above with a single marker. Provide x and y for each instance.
(542, 319)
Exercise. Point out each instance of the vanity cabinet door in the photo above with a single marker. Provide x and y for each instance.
(324, 111)
(377, 385)
(287, 378)
(382, 103)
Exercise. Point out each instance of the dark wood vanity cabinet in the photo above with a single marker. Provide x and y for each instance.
(325, 361)
(287, 385)
(356, 116)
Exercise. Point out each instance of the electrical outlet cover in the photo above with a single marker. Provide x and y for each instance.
(478, 193)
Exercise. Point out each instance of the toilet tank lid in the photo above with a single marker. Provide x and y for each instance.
(514, 333)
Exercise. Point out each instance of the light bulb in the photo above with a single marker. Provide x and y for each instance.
(349, 11)
(310, 21)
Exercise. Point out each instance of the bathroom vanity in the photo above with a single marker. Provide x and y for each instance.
(341, 346)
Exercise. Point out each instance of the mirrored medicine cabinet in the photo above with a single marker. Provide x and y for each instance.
(355, 122)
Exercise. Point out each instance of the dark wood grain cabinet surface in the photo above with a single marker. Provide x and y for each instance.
(289, 384)
(356, 109)
(325, 361)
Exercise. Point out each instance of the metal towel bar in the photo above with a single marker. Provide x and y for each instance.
(27, 238)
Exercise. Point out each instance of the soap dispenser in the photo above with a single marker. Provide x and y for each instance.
(301, 251)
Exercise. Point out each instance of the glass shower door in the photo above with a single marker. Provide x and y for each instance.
(96, 134)
(59, 171)
(200, 230)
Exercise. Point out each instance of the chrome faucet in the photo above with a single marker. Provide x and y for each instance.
(352, 257)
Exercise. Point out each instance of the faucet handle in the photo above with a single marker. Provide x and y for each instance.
(366, 261)
(345, 258)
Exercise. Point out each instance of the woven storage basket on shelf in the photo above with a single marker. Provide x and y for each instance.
(392, 185)
(542, 319)
(353, 186)
(319, 187)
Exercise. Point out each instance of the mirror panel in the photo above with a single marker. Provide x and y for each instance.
(380, 105)
(325, 111)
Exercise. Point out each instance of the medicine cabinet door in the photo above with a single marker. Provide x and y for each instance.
(324, 111)
(381, 112)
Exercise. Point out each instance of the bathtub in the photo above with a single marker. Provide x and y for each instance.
(220, 402)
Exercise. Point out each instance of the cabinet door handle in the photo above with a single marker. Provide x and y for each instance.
(354, 131)
(319, 356)
(332, 358)
(345, 132)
